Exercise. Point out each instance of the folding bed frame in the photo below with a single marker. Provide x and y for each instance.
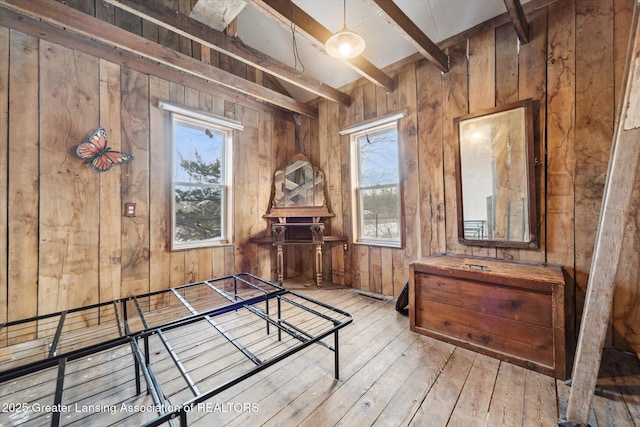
(85, 366)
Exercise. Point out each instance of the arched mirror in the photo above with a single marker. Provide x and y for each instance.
(298, 185)
(298, 191)
(495, 177)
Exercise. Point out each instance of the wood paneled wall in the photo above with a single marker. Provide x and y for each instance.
(572, 69)
(66, 242)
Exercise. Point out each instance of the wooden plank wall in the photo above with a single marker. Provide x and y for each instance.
(4, 157)
(571, 68)
(60, 247)
(626, 307)
(22, 178)
(66, 242)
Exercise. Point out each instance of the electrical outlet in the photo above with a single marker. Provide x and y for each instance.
(130, 210)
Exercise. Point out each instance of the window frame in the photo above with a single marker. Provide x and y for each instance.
(356, 177)
(202, 120)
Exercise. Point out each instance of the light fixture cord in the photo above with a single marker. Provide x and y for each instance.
(296, 55)
(344, 13)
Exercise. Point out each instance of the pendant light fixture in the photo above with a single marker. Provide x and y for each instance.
(344, 44)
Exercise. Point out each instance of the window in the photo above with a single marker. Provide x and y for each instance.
(376, 168)
(201, 182)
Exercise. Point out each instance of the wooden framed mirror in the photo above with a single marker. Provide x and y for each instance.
(298, 191)
(495, 177)
(299, 185)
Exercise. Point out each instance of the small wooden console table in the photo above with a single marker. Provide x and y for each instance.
(300, 230)
(297, 213)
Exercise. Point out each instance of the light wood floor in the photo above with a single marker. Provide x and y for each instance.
(389, 376)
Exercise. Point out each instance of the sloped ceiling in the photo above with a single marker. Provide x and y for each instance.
(293, 54)
(438, 19)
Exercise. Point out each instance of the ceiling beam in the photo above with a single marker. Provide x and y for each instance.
(58, 35)
(514, 8)
(410, 31)
(87, 26)
(231, 30)
(181, 24)
(285, 11)
(219, 15)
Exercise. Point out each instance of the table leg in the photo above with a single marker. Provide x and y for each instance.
(280, 264)
(318, 265)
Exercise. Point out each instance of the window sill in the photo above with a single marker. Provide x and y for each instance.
(201, 246)
(390, 245)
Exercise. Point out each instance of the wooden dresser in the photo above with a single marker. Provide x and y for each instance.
(510, 310)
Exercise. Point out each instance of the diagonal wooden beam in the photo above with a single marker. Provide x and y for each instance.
(410, 31)
(80, 23)
(285, 12)
(615, 211)
(181, 24)
(514, 8)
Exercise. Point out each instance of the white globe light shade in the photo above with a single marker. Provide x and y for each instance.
(345, 44)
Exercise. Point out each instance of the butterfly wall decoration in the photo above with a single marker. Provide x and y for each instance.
(99, 156)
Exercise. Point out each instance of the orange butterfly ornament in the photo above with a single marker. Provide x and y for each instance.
(100, 157)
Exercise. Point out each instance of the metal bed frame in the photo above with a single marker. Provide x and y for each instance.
(53, 364)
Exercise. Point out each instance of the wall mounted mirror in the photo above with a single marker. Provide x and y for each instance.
(495, 177)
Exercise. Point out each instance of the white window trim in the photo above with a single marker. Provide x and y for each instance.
(369, 125)
(205, 117)
(355, 132)
(221, 124)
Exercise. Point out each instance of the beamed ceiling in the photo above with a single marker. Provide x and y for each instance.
(284, 39)
(393, 31)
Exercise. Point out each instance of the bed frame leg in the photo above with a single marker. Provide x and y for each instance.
(56, 418)
(137, 369)
(266, 321)
(183, 419)
(337, 355)
(147, 360)
(279, 319)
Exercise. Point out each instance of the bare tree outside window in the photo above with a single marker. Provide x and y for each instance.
(378, 184)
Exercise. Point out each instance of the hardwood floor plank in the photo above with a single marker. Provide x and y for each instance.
(357, 354)
(440, 401)
(274, 389)
(473, 403)
(620, 381)
(507, 400)
(31, 389)
(423, 359)
(609, 411)
(389, 376)
(409, 397)
(540, 406)
(347, 393)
